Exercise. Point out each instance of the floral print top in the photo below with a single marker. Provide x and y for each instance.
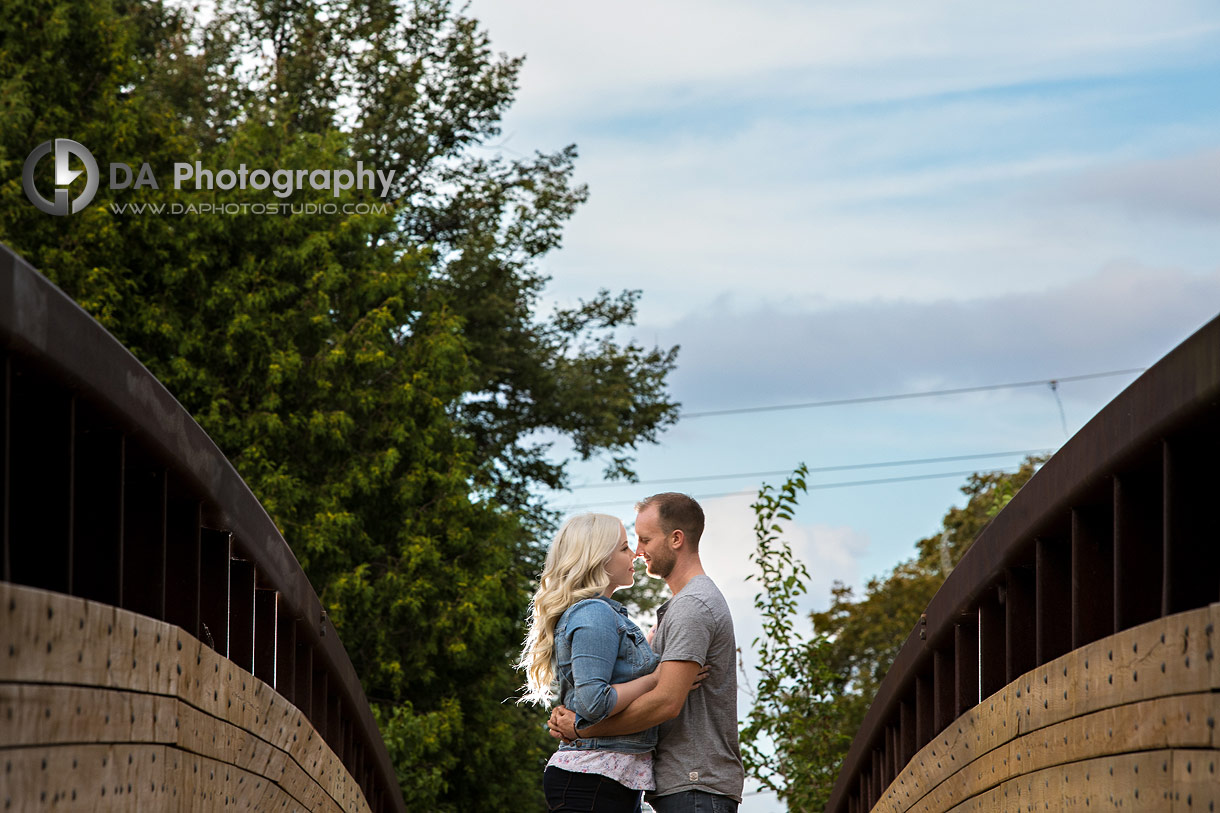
(631, 770)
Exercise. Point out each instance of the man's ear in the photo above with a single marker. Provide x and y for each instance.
(678, 539)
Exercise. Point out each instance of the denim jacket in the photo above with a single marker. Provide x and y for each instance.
(596, 644)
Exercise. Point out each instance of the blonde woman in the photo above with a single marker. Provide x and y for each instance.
(582, 640)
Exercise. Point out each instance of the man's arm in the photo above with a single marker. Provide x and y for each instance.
(675, 680)
(595, 645)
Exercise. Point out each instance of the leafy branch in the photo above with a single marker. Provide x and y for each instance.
(792, 728)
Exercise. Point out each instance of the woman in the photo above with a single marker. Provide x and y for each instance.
(583, 639)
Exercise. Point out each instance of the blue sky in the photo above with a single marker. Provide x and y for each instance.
(833, 200)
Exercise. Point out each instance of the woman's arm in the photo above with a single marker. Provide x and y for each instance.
(631, 691)
(674, 680)
(595, 644)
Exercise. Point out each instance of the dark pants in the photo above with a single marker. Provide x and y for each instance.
(569, 792)
(693, 801)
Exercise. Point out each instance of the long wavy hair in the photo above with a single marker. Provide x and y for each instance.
(575, 570)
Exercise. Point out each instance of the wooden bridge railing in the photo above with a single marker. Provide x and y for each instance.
(1115, 537)
(110, 492)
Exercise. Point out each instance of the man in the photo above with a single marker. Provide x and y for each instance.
(697, 766)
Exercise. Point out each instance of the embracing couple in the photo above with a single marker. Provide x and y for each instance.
(635, 713)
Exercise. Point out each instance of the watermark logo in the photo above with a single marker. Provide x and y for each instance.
(281, 182)
(63, 148)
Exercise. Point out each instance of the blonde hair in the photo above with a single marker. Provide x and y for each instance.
(574, 570)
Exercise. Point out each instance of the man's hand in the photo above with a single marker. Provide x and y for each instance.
(562, 724)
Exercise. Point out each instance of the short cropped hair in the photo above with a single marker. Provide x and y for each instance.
(676, 512)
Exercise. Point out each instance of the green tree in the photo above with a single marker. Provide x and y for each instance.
(867, 632)
(792, 732)
(380, 380)
(832, 677)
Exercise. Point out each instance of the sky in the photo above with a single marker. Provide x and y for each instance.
(827, 201)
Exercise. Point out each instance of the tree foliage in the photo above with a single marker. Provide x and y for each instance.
(381, 380)
(792, 732)
(830, 678)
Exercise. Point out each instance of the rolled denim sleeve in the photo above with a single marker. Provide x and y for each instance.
(595, 644)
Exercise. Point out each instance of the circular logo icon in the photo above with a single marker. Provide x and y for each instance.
(63, 148)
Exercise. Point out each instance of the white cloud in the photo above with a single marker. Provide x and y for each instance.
(831, 213)
(1123, 316)
(728, 542)
(647, 56)
(848, 151)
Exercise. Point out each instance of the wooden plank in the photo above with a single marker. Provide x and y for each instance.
(182, 562)
(222, 690)
(1141, 781)
(131, 675)
(1163, 657)
(54, 638)
(209, 785)
(924, 728)
(1196, 780)
(1020, 629)
(1138, 549)
(215, 549)
(977, 732)
(940, 778)
(991, 644)
(1050, 693)
(80, 777)
(241, 613)
(202, 734)
(943, 710)
(1092, 574)
(1179, 721)
(97, 520)
(40, 481)
(45, 714)
(285, 654)
(143, 652)
(1053, 597)
(1191, 559)
(266, 605)
(906, 733)
(144, 513)
(32, 647)
(1213, 639)
(966, 666)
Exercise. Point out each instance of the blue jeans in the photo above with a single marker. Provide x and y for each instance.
(693, 801)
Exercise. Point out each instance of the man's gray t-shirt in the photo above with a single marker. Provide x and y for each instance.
(698, 749)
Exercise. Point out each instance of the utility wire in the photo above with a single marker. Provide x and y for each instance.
(814, 486)
(1062, 415)
(820, 469)
(928, 394)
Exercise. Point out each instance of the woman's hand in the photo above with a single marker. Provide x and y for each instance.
(562, 724)
(699, 678)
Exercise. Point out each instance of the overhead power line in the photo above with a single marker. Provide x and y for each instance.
(820, 469)
(814, 486)
(1044, 382)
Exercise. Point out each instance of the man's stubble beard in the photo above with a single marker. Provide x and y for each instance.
(660, 567)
